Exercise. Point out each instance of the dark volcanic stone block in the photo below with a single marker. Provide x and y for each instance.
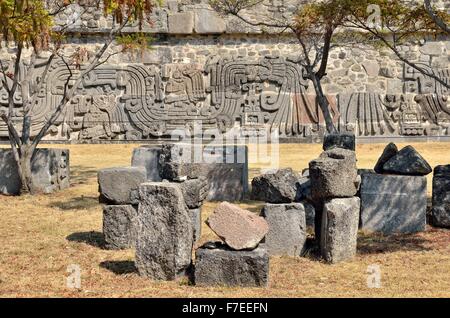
(287, 228)
(279, 186)
(389, 151)
(50, 171)
(393, 203)
(339, 140)
(164, 232)
(441, 196)
(216, 265)
(224, 166)
(119, 226)
(407, 162)
(120, 185)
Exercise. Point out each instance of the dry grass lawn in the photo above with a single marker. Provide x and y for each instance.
(40, 236)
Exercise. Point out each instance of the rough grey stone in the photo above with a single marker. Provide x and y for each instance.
(194, 191)
(120, 185)
(310, 213)
(147, 157)
(339, 140)
(181, 22)
(119, 226)
(393, 203)
(279, 186)
(407, 162)
(207, 22)
(164, 232)
(180, 162)
(224, 166)
(389, 151)
(50, 171)
(196, 218)
(303, 189)
(216, 265)
(287, 228)
(339, 229)
(333, 174)
(441, 196)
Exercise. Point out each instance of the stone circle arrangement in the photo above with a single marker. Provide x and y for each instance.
(154, 206)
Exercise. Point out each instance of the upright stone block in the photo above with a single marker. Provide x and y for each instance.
(180, 162)
(227, 172)
(120, 185)
(287, 228)
(393, 203)
(119, 226)
(339, 229)
(50, 171)
(334, 174)
(339, 140)
(164, 232)
(224, 166)
(147, 157)
(441, 196)
(216, 265)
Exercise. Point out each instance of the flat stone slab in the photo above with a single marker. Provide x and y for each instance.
(50, 170)
(119, 226)
(278, 186)
(407, 162)
(339, 230)
(217, 265)
(334, 175)
(120, 185)
(393, 203)
(147, 157)
(238, 228)
(287, 228)
(164, 232)
(441, 196)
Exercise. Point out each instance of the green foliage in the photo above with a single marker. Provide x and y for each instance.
(25, 21)
(31, 22)
(134, 42)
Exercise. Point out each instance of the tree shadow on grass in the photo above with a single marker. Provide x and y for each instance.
(376, 243)
(119, 267)
(81, 174)
(77, 203)
(92, 238)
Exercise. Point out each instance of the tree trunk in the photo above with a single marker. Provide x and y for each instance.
(323, 104)
(24, 169)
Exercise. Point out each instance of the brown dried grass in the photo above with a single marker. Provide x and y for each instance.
(40, 236)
